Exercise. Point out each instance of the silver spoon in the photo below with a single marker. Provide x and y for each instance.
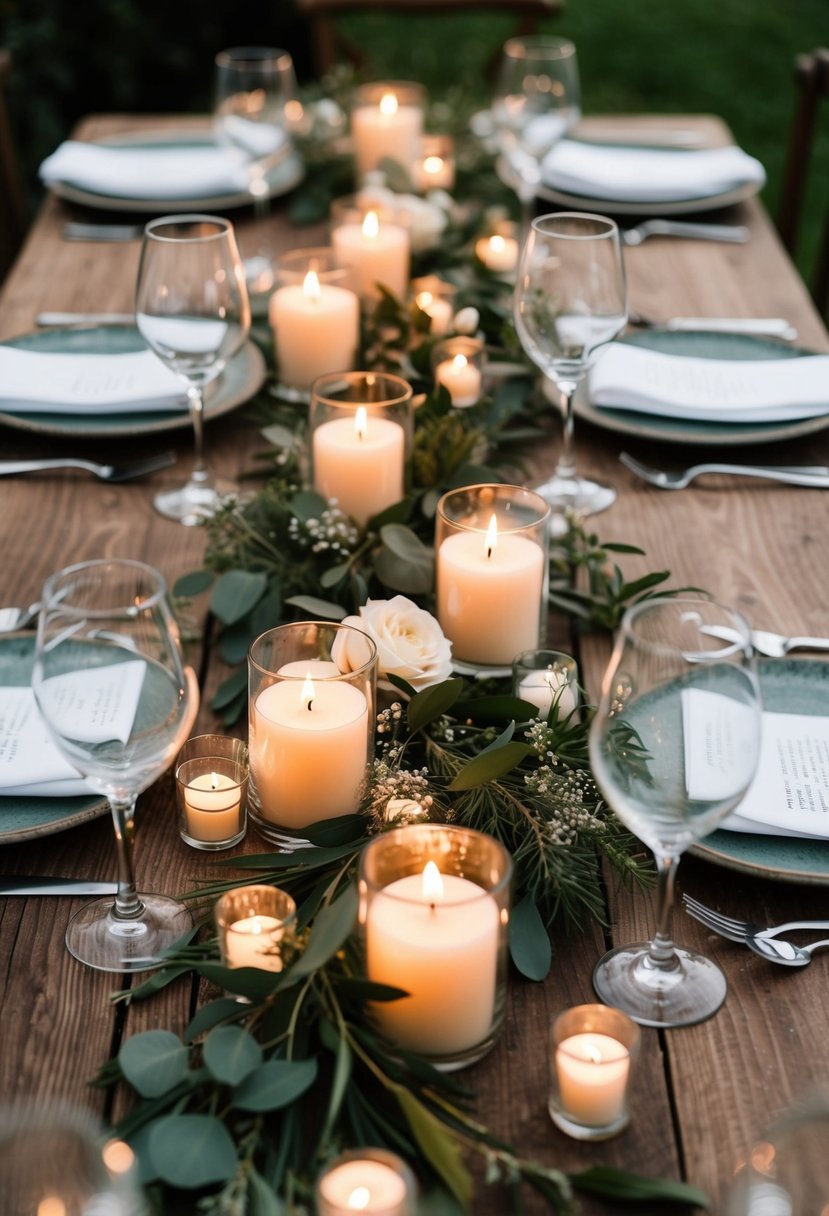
(780, 951)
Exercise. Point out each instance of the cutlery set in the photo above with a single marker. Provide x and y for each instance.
(814, 476)
(767, 942)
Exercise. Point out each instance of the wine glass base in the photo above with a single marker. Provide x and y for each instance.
(193, 503)
(581, 495)
(691, 991)
(99, 940)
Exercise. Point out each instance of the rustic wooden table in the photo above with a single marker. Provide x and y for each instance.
(702, 1094)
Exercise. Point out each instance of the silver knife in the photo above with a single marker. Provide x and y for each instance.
(47, 319)
(764, 327)
(55, 886)
(74, 231)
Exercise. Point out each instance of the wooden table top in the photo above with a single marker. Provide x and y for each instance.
(702, 1094)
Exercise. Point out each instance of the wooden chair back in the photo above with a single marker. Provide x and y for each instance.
(330, 46)
(12, 208)
(812, 75)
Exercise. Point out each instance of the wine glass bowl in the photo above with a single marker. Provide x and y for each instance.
(111, 687)
(674, 746)
(570, 302)
(192, 309)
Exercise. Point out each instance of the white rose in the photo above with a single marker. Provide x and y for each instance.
(410, 643)
(404, 810)
(466, 321)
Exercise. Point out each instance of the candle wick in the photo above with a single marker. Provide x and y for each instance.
(310, 703)
(432, 907)
(489, 552)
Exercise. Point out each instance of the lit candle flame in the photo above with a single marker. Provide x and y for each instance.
(371, 226)
(432, 883)
(433, 164)
(491, 536)
(423, 299)
(593, 1054)
(459, 362)
(307, 695)
(388, 105)
(359, 1199)
(256, 926)
(361, 422)
(214, 781)
(311, 287)
(497, 244)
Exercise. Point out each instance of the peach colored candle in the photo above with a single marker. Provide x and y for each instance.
(212, 803)
(359, 460)
(592, 1076)
(316, 330)
(376, 253)
(388, 129)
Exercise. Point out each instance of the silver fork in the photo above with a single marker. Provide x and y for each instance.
(816, 476)
(772, 645)
(106, 472)
(742, 930)
(732, 233)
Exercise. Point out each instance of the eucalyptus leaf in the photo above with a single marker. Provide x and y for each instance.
(492, 711)
(235, 594)
(154, 1062)
(432, 703)
(332, 926)
(529, 941)
(278, 435)
(231, 1054)
(191, 1151)
(308, 505)
(252, 982)
(193, 584)
(235, 642)
(343, 1063)
(230, 689)
(334, 575)
(615, 1183)
(224, 1009)
(311, 858)
(404, 563)
(437, 1145)
(489, 766)
(261, 1199)
(317, 607)
(330, 833)
(401, 684)
(275, 1084)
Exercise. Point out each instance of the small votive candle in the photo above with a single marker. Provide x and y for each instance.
(253, 923)
(211, 791)
(434, 168)
(387, 123)
(544, 678)
(499, 251)
(436, 298)
(592, 1049)
(315, 317)
(374, 242)
(366, 1180)
(458, 364)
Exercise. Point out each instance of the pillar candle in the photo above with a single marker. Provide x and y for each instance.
(363, 1185)
(542, 687)
(376, 253)
(308, 750)
(489, 594)
(498, 253)
(386, 130)
(316, 329)
(359, 460)
(440, 944)
(462, 379)
(250, 943)
(592, 1076)
(212, 803)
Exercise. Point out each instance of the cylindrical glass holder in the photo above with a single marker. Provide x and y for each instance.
(367, 1180)
(500, 248)
(491, 579)
(546, 678)
(434, 919)
(311, 714)
(211, 791)
(435, 165)
(387, 124)
(435, 297)
(458, 363)
(360, 434)
(374, 241)
(253, 924)
(315, 317)
(592, 1051)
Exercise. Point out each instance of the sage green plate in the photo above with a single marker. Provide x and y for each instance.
(282, 178)
(241, 380)
(685, 430)
(789, 686)
(26, 818)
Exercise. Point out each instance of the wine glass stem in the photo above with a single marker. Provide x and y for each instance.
(566, 466)
(662, 953)
(127, 904)
(196, 400)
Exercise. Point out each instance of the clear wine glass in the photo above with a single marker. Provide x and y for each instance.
(570, 301)
(537, 102)
(111, 687)
(253, 87)
(192, 309)
(673, 746)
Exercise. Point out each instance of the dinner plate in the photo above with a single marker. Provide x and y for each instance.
(608, 206)
(789, 686)
(27, 818)
(288, 173)
(241, 379)
(691, 430)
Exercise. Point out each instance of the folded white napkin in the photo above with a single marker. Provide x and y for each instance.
(648, 175)
(30, 763)
(162, 172)
(710, 390)
(44, 382)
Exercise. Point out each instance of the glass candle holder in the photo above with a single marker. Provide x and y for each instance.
(500, 248)
(592, 1050)
(491, 570)
(212, 791)
(253, 924)
(458, 363)
(434, 916)
(546, 678)
(315, 318)
(366, 1180)
(374, 241)
(436, 298)
(311, 714)
(434, 168)
(360, 433)
(387, 124)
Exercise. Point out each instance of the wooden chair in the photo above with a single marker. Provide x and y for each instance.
(812, 75)
(12, 208)
(330, 46)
